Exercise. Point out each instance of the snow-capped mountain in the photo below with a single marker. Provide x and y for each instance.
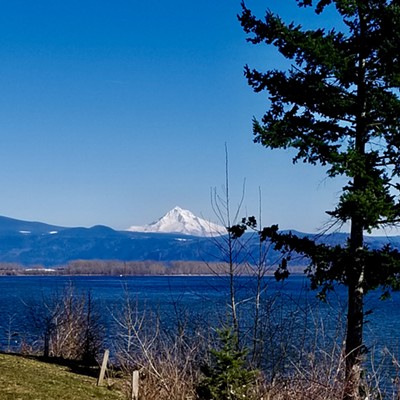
(181, 221)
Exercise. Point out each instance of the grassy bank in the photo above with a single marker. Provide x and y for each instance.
(23, 378)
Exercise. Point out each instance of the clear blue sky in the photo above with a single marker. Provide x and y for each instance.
(113, 112)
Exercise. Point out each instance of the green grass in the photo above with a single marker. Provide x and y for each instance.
(23, 378)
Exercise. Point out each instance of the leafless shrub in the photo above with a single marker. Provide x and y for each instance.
(67, 325)
(382, 373)
(168, 358)
(10, 332)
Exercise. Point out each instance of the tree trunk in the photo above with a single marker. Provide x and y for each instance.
(355, 272)
(354, 339)
(355, 316)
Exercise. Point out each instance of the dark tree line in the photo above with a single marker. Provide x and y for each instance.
(125, 268)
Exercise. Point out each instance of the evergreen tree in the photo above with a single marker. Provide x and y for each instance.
(338, 106)
(226, 377)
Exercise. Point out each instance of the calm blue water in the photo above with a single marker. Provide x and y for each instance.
(202, 294)
(196, 293)
(203, 297)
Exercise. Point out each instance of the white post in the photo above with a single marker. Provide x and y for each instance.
(135, 385)
(103, 368)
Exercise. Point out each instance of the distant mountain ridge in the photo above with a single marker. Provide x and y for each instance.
(14, 225)
(36, 243)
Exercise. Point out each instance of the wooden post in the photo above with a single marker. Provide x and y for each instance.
(135, 385)
(103, 368)
(46, 344)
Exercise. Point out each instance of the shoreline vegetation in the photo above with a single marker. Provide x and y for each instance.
(133, 268)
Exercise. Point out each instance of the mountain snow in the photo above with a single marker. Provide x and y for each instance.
(182, 221)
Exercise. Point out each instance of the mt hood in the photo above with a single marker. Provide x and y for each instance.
(181, 221)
